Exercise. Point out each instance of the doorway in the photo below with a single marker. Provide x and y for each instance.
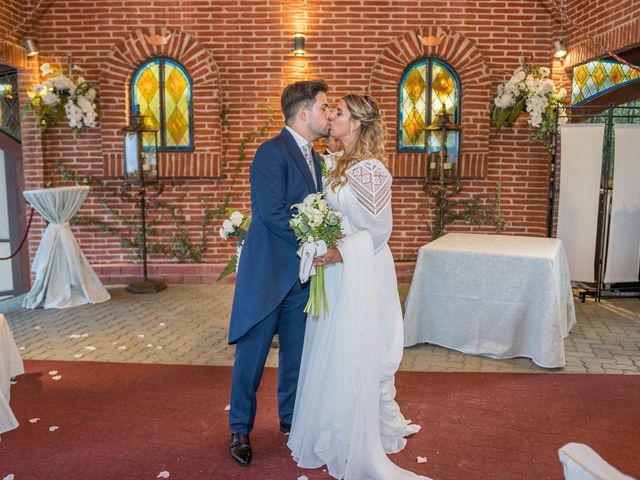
(14, 273)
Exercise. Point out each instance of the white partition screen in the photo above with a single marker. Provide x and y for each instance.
(623, 253)
(580, 172)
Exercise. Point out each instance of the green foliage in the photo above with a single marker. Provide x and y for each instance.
(229, 268)
(470, 211)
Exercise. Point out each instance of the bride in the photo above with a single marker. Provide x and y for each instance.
(345, 415)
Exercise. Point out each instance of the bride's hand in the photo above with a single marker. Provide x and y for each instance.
(332, 256)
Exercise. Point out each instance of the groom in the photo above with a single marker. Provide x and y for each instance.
(269, 298)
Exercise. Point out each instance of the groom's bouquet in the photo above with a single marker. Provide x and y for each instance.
(235, 226)
(317, 228)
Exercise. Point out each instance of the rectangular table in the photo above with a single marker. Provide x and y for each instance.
(494, 295)
(10, 366)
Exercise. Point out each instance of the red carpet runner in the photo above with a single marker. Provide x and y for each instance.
(131, 422)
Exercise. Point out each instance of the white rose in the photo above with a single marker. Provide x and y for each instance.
(50, 98)
(519, 76)
(62, 82)
(505, 101)
(547, 87)
(91, 94)
(236, 218)
(46, 69)
(228, 226)
(544, 71)
(223, 233)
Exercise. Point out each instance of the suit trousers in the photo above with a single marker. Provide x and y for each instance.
(288, 320)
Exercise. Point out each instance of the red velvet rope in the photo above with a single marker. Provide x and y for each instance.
(24, 238)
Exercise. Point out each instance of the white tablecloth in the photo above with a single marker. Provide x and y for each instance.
(10, 366)
(64, 277)
(494, 295)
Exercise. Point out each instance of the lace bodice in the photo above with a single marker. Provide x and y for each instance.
(371, 182)
(365, 201)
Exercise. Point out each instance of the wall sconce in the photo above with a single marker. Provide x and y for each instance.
(559, 48)
(298, 45)
(31, 47)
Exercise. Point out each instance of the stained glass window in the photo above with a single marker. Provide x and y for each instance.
(161, 89)
(428, 87)
(595, 78)
(9, 108)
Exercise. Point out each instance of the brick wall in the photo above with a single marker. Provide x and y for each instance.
(9, 17)
(612, 25)
(350, 43)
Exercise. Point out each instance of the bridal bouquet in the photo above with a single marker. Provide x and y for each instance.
(236, 226)
(317, 228)
(61, 95)
(529, 89)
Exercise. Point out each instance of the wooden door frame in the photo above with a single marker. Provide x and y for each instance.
(17, 209)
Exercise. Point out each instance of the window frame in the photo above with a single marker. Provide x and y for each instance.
(428, 59)
(161, 132)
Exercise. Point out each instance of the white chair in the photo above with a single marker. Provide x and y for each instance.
(580, 462)
(10, 366)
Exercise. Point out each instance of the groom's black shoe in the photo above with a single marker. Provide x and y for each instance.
(240, 448)
(285, 427)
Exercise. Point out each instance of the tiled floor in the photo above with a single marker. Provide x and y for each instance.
(187, 324)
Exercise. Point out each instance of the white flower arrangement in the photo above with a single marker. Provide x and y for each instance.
(59, 95)
(529, 89)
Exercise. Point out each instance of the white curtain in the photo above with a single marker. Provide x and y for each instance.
(581, 164)
(64, 277)
(623, 253)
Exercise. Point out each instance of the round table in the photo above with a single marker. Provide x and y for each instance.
(64, 277)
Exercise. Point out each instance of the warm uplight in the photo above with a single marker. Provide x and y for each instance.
(560, 49)
(298, 45)
(31, 47)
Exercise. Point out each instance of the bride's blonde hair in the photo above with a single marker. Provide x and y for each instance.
(370, 141)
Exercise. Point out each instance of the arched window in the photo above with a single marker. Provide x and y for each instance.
(596, 78)
(161, 89)
(429, 86)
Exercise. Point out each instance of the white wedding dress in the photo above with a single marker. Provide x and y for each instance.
(345, 415)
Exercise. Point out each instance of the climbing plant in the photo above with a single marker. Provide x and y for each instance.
(176, 241)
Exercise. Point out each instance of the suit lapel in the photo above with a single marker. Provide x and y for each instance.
(296, 153)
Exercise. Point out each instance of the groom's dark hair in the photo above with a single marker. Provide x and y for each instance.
(300, 94)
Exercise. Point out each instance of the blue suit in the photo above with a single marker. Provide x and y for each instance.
(269, 298)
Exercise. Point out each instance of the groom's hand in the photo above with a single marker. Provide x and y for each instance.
(332, 256)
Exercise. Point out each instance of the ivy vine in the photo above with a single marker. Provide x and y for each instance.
(176, 241)
(471, 211)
